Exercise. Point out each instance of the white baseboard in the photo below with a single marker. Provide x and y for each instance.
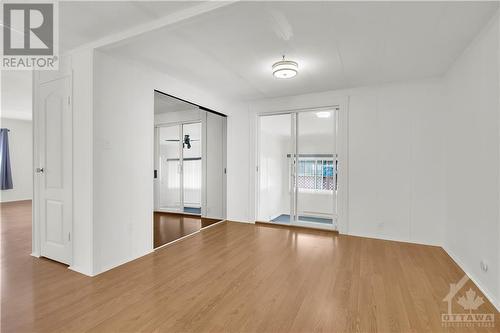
(391, 239)
(81, 271)
(121, 262)
(474, 279)
(15, 200)
(240, 221)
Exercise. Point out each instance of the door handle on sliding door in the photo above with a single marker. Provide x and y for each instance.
(39, 170)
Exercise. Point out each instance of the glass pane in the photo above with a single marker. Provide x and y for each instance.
(275, 151)
(192, 167)
(315, 149)
(169, 168)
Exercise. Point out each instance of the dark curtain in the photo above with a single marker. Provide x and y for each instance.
(5, 172)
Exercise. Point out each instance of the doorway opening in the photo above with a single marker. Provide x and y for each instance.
(298, 168)
(189, 168)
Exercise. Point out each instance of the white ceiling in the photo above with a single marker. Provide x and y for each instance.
(337, 44)
(16, 87)
(82, 22)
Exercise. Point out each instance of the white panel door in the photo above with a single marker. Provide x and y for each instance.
(54, 171)
(215, 150)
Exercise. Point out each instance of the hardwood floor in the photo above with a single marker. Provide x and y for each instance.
(233, 278)
(169, 226)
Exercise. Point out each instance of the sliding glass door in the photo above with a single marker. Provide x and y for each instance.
(316, 167)
(178, 168)
(297, 168)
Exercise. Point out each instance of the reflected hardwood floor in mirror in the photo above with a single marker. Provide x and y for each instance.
(234, 277)
(171, 226)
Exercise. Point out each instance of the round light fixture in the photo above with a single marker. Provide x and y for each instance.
(285, 69)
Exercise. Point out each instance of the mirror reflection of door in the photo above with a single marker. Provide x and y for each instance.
(189, 168)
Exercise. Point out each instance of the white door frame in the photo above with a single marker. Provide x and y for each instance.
(39, 79)
(341, 224)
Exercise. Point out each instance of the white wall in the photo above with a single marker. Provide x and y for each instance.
(83, 227)
(411, 146)
(123, 155)
(21, 159)
(472, 161)
(274, 196)
(396, 187)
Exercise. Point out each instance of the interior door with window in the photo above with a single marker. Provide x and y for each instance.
(54, 169)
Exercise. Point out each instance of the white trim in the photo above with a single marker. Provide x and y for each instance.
(302, 224)
(160, 210)
(16, 200)
(35, 237)
(203, 119)
(81, 271)
(489, 295)
(342, 220)
(239, 221)
(121, 262)
(391, 239)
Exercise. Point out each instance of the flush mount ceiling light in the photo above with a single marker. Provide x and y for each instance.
(285, 69)
(323, 114)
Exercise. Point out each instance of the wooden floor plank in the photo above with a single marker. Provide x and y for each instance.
(232, 277)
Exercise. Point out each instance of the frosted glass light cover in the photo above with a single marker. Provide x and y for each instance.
(285, 69)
